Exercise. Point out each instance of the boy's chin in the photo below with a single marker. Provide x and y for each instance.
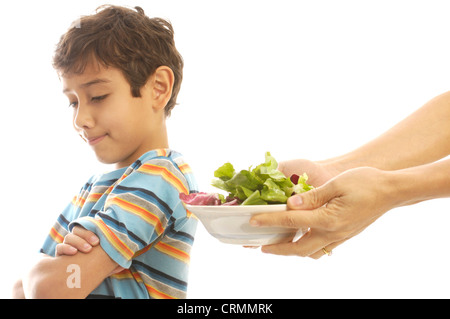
(107, 160)
(118, 162)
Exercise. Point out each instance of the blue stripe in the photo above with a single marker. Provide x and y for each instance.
(154, 264)
(146, 195)
(63, 221)
(159, 275)
(120, 227)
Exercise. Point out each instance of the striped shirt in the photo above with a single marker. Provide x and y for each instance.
(142, 225)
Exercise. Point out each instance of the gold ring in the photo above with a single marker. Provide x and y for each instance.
(326, 252)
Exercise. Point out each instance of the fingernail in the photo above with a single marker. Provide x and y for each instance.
(93, 240)
(87, 246)
(295, 201)
(73, 249)
(254, 223)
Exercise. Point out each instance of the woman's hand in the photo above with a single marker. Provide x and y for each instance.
(318, 172)
(333, 212)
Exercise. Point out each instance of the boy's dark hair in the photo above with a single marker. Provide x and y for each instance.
(125, 39)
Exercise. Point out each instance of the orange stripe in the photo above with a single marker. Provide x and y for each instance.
(124, 274)
(114, 240)
(190, 215)
(93, 197)
(155, 293)
(185, 168)
(172, 251)
(164, 173)
(161, 152)
(56, 236)
(136, 276)
(138, 210)
(152, 291)
(78, 201)
(143, 250)
(114, 184)
(127, 274)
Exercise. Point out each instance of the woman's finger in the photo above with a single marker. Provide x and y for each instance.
(305, 246)
(307, 210)
(326, 250)
(314, 244)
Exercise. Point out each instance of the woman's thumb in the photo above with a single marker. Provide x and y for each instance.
(312, 199)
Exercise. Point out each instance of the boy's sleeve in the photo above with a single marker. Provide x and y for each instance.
(61, 226)
(138, 210)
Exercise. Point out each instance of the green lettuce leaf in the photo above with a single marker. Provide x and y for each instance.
(263, 185)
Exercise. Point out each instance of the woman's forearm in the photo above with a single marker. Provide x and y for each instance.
(421, 138)
(412, 185)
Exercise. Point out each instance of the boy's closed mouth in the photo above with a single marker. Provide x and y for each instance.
(95, 140)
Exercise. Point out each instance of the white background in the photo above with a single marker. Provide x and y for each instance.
(301, 79)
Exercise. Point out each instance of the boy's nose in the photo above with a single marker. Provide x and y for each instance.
(82, 118)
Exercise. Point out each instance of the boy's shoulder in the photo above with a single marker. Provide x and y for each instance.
(162, 158)
(168, 164)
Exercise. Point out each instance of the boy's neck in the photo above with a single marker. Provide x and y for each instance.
(157, 142)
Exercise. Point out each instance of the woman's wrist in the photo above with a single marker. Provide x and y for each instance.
(338, 165)
(412, 185)
(404, 186)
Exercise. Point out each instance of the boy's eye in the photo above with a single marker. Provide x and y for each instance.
(94, 99)
(73, 104)
(99, 98)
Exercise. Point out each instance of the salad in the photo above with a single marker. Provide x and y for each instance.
(262, 185)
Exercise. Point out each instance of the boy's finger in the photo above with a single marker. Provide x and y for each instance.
(87, 235)
(64, 249)
(77, 242)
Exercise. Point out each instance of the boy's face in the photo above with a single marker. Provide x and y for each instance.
(118, 127)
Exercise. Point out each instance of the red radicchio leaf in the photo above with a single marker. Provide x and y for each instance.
(210, 199)
(200, 199)
(232, 202)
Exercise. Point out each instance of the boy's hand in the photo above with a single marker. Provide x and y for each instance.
(82, 240)
(79, 239)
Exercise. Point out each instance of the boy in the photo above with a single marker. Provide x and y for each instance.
(121, 73)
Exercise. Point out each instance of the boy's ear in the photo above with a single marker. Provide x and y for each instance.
(161, 85)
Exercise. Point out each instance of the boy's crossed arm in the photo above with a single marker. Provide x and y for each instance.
(71, 274)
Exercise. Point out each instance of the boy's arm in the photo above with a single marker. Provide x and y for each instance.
(17, 290)
(68, 276)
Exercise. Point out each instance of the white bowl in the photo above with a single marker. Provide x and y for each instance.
(230, 224)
